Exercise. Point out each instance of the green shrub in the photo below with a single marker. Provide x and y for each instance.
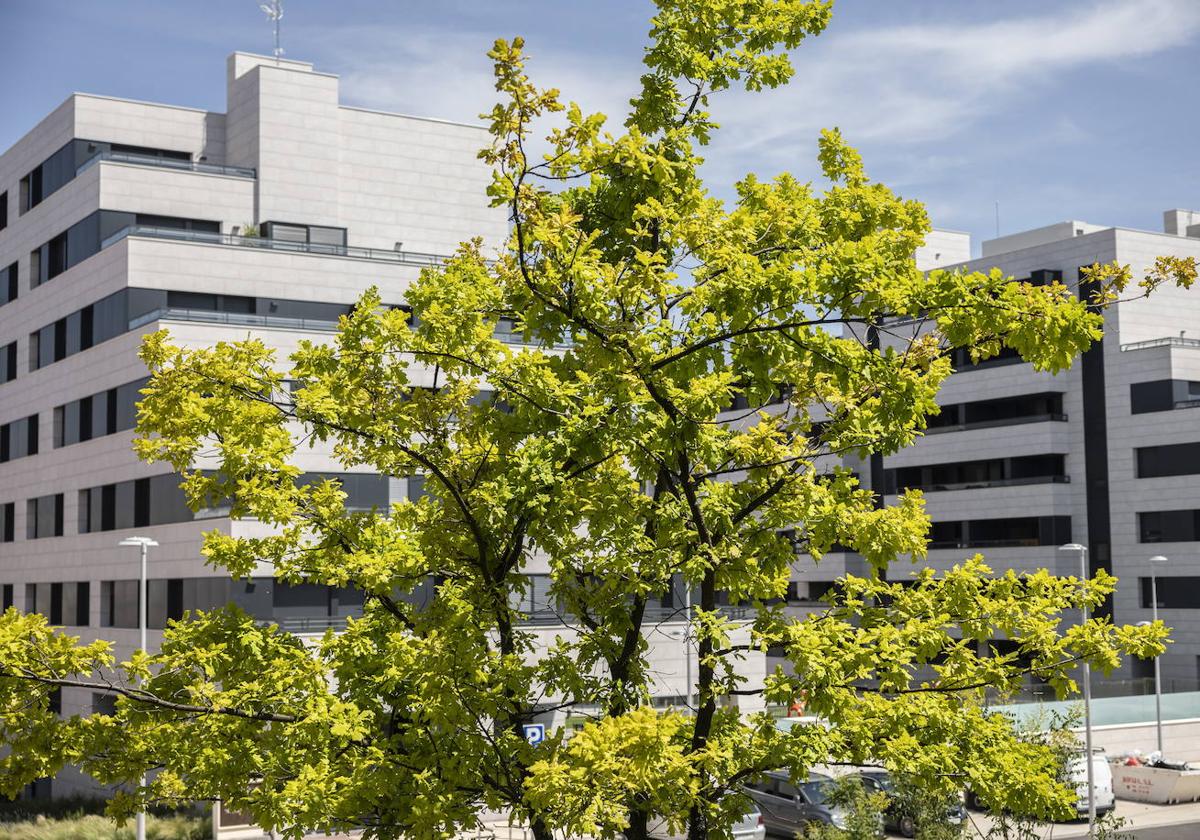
(92, 827)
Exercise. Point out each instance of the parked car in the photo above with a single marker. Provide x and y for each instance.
(1076, 776)
(900, 815)
(749, 827)
(1102, 780)
(789, 808)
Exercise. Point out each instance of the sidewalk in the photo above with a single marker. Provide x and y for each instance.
(1139, 815)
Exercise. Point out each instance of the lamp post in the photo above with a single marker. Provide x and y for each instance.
(144, 544)
(1156, 560)
(1087, 697)
(687, 645)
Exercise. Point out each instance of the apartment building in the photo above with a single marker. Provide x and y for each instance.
(119, 218)
(1106, 454)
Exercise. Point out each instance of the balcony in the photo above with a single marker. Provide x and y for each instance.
(993, 482)
(992, 424)
(259, 243)
(542, 618)
(234, 319)
(1167, 341)
(166, 163)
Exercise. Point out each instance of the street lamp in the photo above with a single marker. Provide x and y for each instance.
(1087, 696)
(144, 544)
(1156, 560)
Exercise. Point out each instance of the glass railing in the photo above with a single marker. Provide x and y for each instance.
(167, 163)
(540, 618)
(987, 482)
(204, 237)
(991, 424)
(1012, 542)
(234, 319)
(1166, 341)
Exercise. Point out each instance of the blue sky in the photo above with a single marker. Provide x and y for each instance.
(1073, 109)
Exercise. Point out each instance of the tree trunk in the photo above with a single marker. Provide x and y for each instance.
(540, 830)
(637, 830)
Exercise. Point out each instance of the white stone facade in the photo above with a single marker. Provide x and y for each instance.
(1146, 340)
(404, 190)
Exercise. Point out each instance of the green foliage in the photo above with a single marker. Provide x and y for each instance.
(646, 306)
(863, 811)
(99, 828)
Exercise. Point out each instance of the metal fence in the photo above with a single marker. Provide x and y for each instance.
(168, 163)
(263, 244)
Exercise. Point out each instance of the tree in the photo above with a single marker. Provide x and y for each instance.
(646, 306)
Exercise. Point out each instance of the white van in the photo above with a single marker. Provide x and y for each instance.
(1102, 780)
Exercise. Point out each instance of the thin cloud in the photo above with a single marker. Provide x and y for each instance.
(913, 84)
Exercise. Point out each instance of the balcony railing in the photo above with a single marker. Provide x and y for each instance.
(1011, 542)
(992, 482)
(991, 424)
(540, 618)
(167, 163)
(1166, 341)
(228, 239)
(235, 319)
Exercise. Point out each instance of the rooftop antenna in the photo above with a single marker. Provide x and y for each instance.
(997, 214)
(274, 13)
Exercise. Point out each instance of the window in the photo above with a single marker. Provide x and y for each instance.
(19, 438)
(44, 517)
(61, 167)
(1174, 593)
(6, 594)
(1001, 533)
(64, 604)
(3, 210)
(1163, 395)
(364, 491)
(210, 303)
(8, 521)
(1044, 276)
(317, 236)
(1169, 460)
(103, 413)
(87, 236)
(996, 472)
(119, 603)
(8, 284)
(1029, 408)
(8, 362)
(133, 504)
(89, 326)
(1169, 526)
(960, 358)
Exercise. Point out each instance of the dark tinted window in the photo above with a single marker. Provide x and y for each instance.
(960, 358)
(1169, 526)
(119, 603)
(1173, 592)
(1163, 395)
(363, 490)
(1000, 533)
(8, 284)
(8, 362)
(1028, 469)
(19, 438)
(44, 517)
(133, 504)
(8, 521)
(1174, 459)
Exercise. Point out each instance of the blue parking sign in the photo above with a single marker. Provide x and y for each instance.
(535, 733)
